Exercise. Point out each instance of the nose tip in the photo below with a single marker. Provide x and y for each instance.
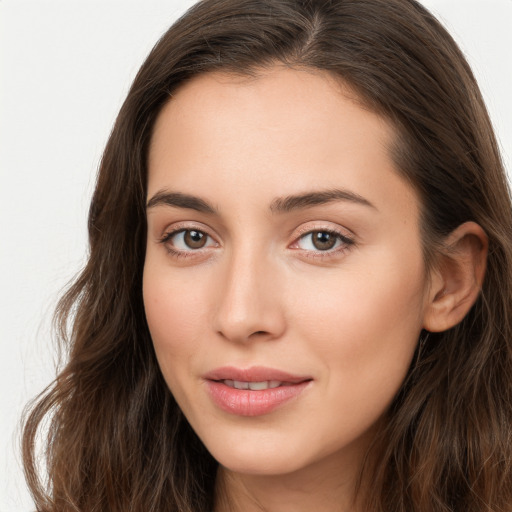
(244, 330)
(249, 307)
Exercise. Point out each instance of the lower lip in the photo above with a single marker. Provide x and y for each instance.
(246, 402)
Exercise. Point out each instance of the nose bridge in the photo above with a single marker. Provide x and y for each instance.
(248, 301)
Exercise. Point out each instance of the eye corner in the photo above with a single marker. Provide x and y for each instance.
(187, 241)
(329, 242)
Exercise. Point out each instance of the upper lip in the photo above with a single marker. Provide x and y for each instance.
(254, 374)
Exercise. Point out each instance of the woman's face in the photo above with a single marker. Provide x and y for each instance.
(284, 282)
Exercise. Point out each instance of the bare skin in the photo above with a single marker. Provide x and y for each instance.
(280, 235)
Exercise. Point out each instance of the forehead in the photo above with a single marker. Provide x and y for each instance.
(282, 131)
(276, 100)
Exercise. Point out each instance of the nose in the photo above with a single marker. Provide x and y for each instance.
(249, 305)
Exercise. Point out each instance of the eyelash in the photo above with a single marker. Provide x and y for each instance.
(178, 253)
(345, 243)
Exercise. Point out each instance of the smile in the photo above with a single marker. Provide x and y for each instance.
(254, 386)
(255, 391)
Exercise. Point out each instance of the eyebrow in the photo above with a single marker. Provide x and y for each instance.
(310, 199)
(278, 205)
(180, 200)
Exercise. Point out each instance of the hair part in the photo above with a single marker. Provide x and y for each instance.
(117, 440)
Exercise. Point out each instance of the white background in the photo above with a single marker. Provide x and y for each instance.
(65, 67)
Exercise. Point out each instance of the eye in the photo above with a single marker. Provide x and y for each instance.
(322, 241)
(318, 240)
(188, 240)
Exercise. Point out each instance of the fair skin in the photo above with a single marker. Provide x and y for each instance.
(244, 272)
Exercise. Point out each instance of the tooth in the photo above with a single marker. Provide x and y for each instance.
(258, 386)
(254, 386)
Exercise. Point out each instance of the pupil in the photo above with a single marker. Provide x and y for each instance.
(323, 240)
(195, 239)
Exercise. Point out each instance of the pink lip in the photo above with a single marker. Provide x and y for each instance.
(246, 402)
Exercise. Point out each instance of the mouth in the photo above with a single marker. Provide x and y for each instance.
(255, 391)
(254, 386)
(254, 375)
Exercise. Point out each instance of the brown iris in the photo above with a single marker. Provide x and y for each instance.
(323, 240)
(194, 239)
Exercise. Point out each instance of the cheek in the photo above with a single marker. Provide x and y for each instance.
(174, 317)
(364, 329)
(371, 307)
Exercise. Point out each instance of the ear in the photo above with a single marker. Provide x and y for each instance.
(457, 277)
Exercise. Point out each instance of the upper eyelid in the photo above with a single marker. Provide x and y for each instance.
(176, 227)
(165, 240)
(344, 235)
(322, 226)
(169, 233)
(344, 239)
(295, 234)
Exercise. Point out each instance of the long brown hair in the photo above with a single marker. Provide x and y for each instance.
(116, 440)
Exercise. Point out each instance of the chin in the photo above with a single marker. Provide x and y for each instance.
(258, 464)
(264, 454)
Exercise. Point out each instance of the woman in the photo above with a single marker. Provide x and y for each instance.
(299, 283)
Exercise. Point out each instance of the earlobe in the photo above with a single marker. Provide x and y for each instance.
(457, 279)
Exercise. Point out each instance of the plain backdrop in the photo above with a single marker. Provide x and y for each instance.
(65, 67)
